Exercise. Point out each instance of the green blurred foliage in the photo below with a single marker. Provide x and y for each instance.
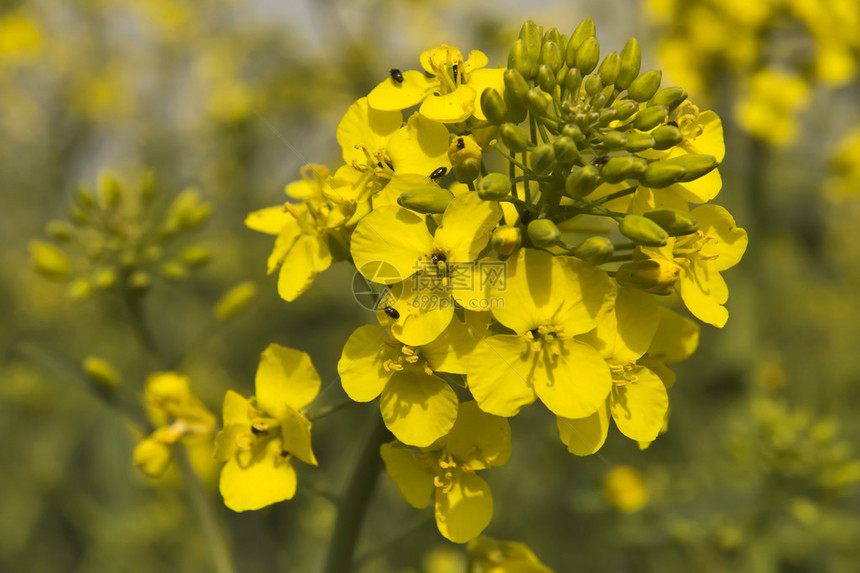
(756, 473)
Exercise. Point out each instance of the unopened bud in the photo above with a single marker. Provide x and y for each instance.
(670, 97)
(542, 158)
(543, 233)
(661, 174)
(60, 231)
(196, 256)
(104, 279)
(588, 55)
(595, 250)
(645, 86)
(514, 137)
(152, 457)
(609, 68)
(651, 275)
(532, 35)
(631, 61)
(650, 117)
(666, 136)
(100, 371)
(518, 58)
(494, 186)
(49, 261)
(467, 171)
(625, 108)
(550, 55)
(695, 165)
(174, 271)
(673, 221)
(506, 239)
(573, 81)
(546, 79)
(574, 132)
(639, 142)
(110, 191)
(79, 289)
(139, 281)
(235, 300)
(592, 84)
(566, 152)
(643, 231)
(582, 181)
(493, 106)
(584, 30)
(618, 169)
(537, 102)
(614, 140)
(430, 199)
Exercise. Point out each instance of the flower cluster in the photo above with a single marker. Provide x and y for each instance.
(778, 47)
(581, 202)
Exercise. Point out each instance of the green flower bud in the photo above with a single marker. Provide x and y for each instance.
(614, 140)
(110, 191)
(650, 117)
(514, 137)
(61, 231)
(637, 141)
(235, 300)
(493, 106)
(139, 281)
(152, 457)
(532, 34)
(670, 97)
(550, 55)
(518, 59)
(631, 62)
(588, 55)
(584, 30)
(79, 289)
(595, 250)
(84, 198)
(673, 221)
(566, 152)
(467, 171)
(645, 86)
(516, 85)
(49, 261)
(543, 233)
(104, 279)
(609, 68)
(553, 35)
(542, 158)
(430, 199)
(625, 109)
(695, 165)
(494, 186)
(598, 101)
(655, 276)
(666, 136)
(661, 174)
(592, 84)
(618, 169)
(174, 270)
(101, 372)
(607, 115)
(582, 181)
(573, 81)
(506, 239)
(196, 256)
(546, 79)
(573, 131)
(186, 211)
(643, 231)
(537, 102)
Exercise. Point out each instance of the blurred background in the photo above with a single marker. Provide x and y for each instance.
(213, 108)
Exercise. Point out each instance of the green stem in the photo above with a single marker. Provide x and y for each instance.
(355, 500)
(617, 194)
(421, 521)
(210, 526)
(330, 409)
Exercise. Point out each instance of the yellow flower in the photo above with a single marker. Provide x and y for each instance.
(464, 503)
(717, 246)
(625, 489)
(261, 436)
(451, 93)
(773, 98)
(547, 300)
(489, 555)
(397, 239)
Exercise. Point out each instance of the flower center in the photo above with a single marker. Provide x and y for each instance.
(690, 246)
(546, 338)
(623, 373)
(688, 121)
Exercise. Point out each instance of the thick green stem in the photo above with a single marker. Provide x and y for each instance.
(354, 501)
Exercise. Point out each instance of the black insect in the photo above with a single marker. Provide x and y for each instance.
(257, 431)
(460, 143)
(439, 258)
(602, 160)
(392, 312)
(672, 123)
(439, 173)
(455, 69)
(396, 75)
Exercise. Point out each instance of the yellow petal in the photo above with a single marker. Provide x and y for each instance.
(296, 436)
(479, 439)
(584, 436)
(575, 383)
(284, 242)
(447, 352)
(409, 473)
(466, 510)
(638, 407)
(637, 316)
(466, 226)
(418, 408)
(252, 480)
(394, 96)
(587, 293)
(453, 107)
(729, 242)
(710, 141)
(482, 79)
(677, 337)
(364, 125)
(388, 243)
(498, 374)
(532, 291)
(420, 147)
(425, 310)
(269, 220)
(285, 377)
(309, 256)
(360, 365)
(704, 292)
